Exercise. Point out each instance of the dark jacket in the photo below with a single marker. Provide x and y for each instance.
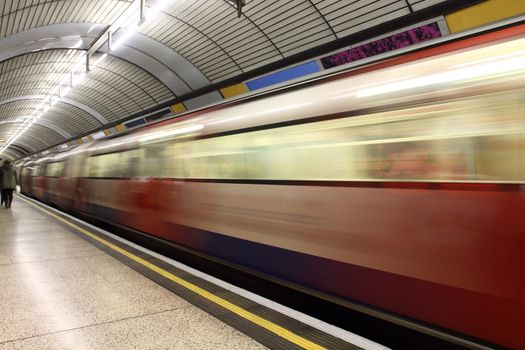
(8, 178)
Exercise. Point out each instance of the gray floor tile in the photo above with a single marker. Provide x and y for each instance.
(60, 292)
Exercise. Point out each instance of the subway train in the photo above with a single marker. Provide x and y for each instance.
(397, 185)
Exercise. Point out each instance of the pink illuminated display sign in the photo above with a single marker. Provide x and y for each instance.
(391, 43)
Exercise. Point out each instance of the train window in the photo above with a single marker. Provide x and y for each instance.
(470, 139)
(38, 170)
(176, 168)
(501, 157)
(154, 162)
(118, 164)
(130, 163)
(104, 165)
(55, 169)
(77, 166)
(91, 169)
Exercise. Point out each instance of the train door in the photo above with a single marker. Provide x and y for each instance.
(25, 178)
(54, 174)
(38, 181)
(151, 189)
(74, 185)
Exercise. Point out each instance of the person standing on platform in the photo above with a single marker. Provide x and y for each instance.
(9, 181)
(1, 173)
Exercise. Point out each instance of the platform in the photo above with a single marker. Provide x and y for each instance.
(65, 286)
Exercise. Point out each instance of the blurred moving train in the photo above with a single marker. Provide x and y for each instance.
(399, 184)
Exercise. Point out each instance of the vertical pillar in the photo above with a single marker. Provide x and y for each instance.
(110, 39)
(142, 11)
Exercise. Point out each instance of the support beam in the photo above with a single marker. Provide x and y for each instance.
(239, 4)
(131, 11)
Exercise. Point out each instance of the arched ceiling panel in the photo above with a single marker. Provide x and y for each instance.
(71, 119)
(293, 25)
(95, 100)
(348, 17)
(16, 111)
(38, 87)
(210, 36)
(52, 36)
(37, 137)
(65, 100)
(118, 88)
(19, 16)
(114, 90)
(32, 141)
(11, 154)
(194, 30)
(190, 45)
(53, 127)
(163, 73)
(19, 149)
(175, 66)
(136, 79)
(48, 66)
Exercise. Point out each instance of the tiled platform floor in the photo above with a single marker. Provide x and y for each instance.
(59, 292)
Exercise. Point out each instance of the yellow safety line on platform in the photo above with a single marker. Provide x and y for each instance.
(272, 327)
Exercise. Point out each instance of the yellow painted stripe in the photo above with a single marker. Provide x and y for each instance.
(107, 132)
(234, 90)
(120, 127)
(272, 327)
(178, 108)
(484, 13)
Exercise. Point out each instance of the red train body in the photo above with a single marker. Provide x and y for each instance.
(409, 199)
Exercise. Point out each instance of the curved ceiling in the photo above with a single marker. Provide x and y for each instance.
(190, 45)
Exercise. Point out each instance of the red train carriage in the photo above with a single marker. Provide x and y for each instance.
(397, 185)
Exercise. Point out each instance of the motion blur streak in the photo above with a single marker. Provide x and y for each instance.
(399, 186)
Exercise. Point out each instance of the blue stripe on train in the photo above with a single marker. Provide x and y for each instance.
(397, 293)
